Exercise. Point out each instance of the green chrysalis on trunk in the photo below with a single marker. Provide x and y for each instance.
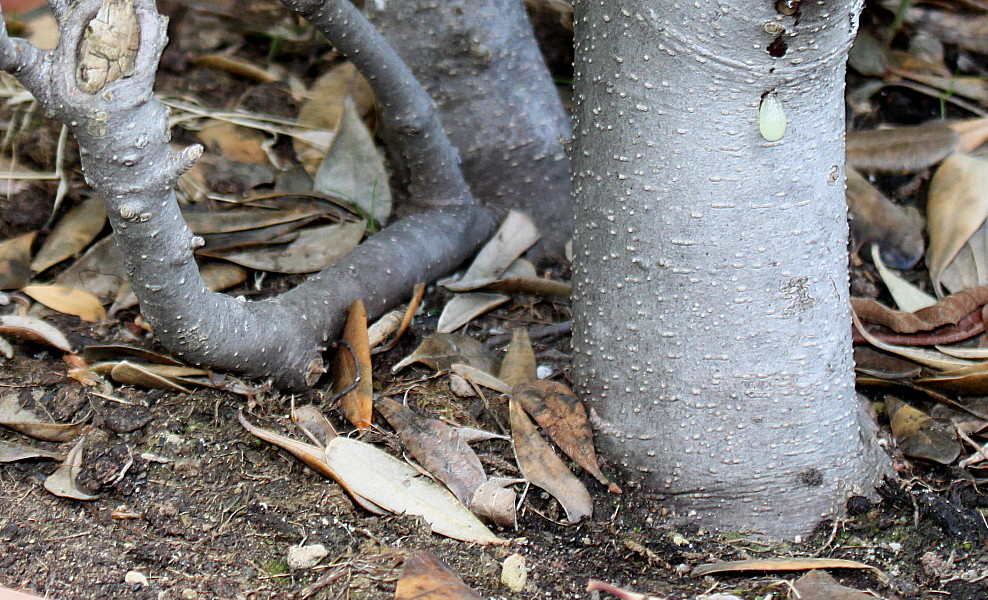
(771, 118)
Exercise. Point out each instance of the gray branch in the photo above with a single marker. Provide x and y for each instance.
(123, 143)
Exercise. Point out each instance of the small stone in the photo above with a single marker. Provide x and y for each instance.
(306, 557)
(190, 594)
(137, 577)
(460, 386)
(513, 572)
(543, 371)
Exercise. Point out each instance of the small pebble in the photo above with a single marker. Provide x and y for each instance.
(460, 386)
(306, 557)
(136, 577)
(513, 572)
(543, 371)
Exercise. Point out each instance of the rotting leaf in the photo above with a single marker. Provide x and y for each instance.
(900, 150)
(70, 301)
(34, 330)
(15, 261)
(15, 417)
(425, 577)
(62, 481)
(313, 456)
(875, 219)
(957, 206)
(820, 585)
(366, 471)
(73, 232)
(437, 447)
(496, 502)
(919, 436)
(353, 167)
(561, 414)
(948, 311)
(463, 308)
(518, 364)
(352, 369)
(540, 465)
(315, 249)
(782, 564)
(441, 350)
(13, 452)
(516, 235)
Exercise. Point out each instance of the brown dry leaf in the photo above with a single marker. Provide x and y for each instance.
(354, 168)
(366, 471)
(100, 271)
(13, 452)
(900, 149)
(313, 456)
(441, 350)
(972, 380)
(540, 466)
(233, 142)
(518, 364)
(437, 447)
(919, 436)
(782, 564)
(561, 414)
(313, 424)
(972, 133)
(529, 285)
(314, 250)
(352, 367)
(820, 585)
(62, 481)
(516, 235)
(128, 373)
(425, 577)
(15, 261)
(215, 222)
(956, 207)
(948, 311)
(73, 232)
(622, 594)
(496, 502)
(13, 416)
(874, 219)
(34, 330)
(930, 358)
(70, 301)
(463, 308)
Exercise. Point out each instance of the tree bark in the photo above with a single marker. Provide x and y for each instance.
(711, 317)
(480, 63)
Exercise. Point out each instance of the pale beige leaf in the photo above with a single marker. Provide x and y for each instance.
(480, 378)
(972, 133)
(62, 481)
(441, 351)
(518, 365)
(68, 300)
(820, 585)
(13, 452)
(781, 564)
(73, 232)
(516, 235)
(397, 487)
(128, 373)
(463, 308)
(13, 416)
(34, 330)
(956, 208)
(907, 296)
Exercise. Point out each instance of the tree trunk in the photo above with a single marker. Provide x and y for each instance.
(711, 327)
(480, 63)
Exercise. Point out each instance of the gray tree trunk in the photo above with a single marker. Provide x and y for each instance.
(711, 327)
(480, 63)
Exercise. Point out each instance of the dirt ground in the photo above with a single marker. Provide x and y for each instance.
(204, 510)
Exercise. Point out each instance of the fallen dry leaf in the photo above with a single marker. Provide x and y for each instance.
(425, 577)
(479, 377)
(437, 447)
(874, 219)
(384, 327)
(73, 232)
(440, 351)
(540, 465)
(313, 250)
(820, 585)
(313, 424)
(70, 301)
(957, 206)
(900, 149)
(34, 330)
(463, 308)
(561, 414)
(782, 564)
(15, 261)
(14, 416)
(518, 364)
(516, 234)
(10, 452)
(100, 271)
(599, 586)
(62, 481)
(352, 369)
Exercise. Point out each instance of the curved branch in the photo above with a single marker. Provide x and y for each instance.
(415, 130)
(123, 143)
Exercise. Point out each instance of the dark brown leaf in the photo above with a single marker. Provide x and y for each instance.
(425, 577)
(561, 414)
(15, 261)
(900, 149)
(352, 367)
(874, 219)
